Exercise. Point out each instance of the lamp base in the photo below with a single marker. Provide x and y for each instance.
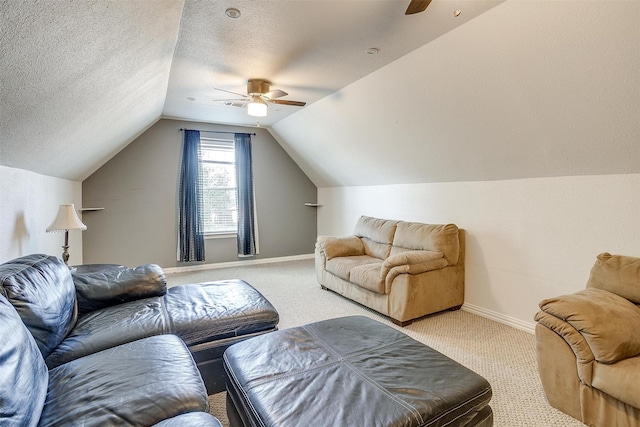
(65, 255)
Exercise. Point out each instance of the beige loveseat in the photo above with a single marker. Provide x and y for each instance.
(404, 270)
(588, 346)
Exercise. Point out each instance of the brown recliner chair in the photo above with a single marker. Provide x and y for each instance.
(588, 346)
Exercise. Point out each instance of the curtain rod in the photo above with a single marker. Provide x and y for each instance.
(216, 131)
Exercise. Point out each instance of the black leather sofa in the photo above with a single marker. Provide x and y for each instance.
(112, 348)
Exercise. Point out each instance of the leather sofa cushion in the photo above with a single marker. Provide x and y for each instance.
(117, 285)
(109, 327)
(342, 266)
(139, 383)
(618, 274)
(609, 323)
(427, 237)
(217, 310)
(23, 374)
(196, 313)
(41, 289)
(377, 235)
(199, 419)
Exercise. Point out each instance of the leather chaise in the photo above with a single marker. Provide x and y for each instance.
(82, 324)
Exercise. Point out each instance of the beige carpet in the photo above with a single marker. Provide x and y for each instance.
(503, 355)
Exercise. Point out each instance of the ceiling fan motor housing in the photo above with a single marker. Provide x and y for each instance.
(258, 86)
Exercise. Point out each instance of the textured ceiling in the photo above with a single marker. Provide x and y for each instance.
(81, 79)
(309, 49)
(506, 90)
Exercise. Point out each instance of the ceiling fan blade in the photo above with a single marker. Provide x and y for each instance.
(286, 102)
(276, 93)
(233, 93)
(417, 6)
(232, 103)
(233, 99)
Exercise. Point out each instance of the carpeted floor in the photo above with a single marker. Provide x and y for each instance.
(503, 355)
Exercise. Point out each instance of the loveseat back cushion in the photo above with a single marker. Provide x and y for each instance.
(376, 234)
(41, 289)
(23, 374)
(118, 285)
(427, 237)
(618, 274)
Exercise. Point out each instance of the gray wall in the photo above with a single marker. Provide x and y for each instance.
(138, 191)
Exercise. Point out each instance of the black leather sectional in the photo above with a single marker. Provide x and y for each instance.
(113, 348)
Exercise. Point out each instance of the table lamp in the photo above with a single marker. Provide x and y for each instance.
(66, 220)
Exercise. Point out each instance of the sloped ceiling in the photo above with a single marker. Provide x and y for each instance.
(528, 89)
(79, 80)
(511, 90)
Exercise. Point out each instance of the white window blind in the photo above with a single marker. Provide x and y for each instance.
(219, 188)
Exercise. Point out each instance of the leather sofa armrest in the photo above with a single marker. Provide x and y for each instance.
(609, 324)
(115, 286)
(333, 247)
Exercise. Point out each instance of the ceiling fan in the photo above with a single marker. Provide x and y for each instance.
(417, 6)
(259, 94)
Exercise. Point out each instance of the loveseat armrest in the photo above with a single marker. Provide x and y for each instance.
(118, 285)
(414, 262)
(411, 262)
(609, 324)
(332, 247)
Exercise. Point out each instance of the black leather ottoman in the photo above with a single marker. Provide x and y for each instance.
(350, 371)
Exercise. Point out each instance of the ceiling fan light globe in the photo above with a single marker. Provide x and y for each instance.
(257, 109)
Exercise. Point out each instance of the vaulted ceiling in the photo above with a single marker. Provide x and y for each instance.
(505, 90)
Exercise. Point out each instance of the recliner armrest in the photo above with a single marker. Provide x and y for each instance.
(340, 246)
(609, 324)
(116, 286)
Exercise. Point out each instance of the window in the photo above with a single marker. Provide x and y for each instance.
(219, 188)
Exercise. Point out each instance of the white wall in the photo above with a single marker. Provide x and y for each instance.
(527, 239)
(29, 203)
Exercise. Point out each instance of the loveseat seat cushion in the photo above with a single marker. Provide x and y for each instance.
(368, 277)
(41, 289)
(376, 234)
(23, 374)
(139, 383)
(427, 237)
(342, 266)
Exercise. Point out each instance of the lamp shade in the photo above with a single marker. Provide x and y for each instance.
(257, 107)
(67, 219)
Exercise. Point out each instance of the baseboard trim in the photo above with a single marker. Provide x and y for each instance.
(500, 318)
(212, 266)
